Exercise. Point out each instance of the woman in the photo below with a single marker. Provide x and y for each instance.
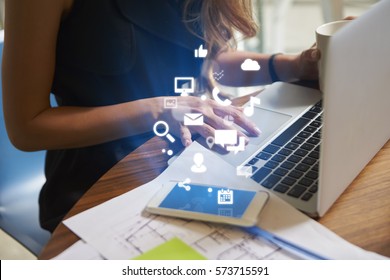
(109, 63)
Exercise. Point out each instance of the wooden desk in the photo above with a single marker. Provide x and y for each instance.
(361, 215)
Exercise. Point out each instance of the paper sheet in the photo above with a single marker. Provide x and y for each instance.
(79, 251)
(119, 229)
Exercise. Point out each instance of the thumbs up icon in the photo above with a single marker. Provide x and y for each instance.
(201, 52)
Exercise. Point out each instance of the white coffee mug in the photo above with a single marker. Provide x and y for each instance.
(323, 35)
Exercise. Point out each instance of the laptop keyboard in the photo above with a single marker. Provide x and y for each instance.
(292, 159)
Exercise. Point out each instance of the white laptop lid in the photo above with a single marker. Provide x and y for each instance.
(356, 101)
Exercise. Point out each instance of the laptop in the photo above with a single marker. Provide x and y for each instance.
(313, 145)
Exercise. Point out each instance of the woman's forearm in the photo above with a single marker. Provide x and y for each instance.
(28, 67)
(72, 127)
(285, 66)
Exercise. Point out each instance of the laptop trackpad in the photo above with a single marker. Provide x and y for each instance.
(269, 122)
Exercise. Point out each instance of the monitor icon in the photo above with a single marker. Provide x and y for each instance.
(184, 85)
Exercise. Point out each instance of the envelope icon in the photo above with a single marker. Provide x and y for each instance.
(193, 119)
(244, 171)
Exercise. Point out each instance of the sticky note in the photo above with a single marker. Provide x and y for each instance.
(174, 249)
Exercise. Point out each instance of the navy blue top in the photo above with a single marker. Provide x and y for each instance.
(110, 52)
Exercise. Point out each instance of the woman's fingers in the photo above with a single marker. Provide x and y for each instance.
(244, 122)
(307, 64)
(216, 117)
(185, 135)
(311, 55)
(230, 114)
(207, 131)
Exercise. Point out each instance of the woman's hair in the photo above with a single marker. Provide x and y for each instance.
(217, 20)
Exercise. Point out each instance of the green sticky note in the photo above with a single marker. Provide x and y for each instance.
(174, 249)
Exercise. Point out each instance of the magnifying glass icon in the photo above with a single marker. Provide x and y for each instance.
(164, 132)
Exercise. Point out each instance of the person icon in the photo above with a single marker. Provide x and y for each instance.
(198, 166)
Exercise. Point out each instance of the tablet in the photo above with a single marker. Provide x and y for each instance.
(208, 203)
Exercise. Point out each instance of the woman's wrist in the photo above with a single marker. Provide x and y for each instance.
(271, 68)
(156, 106)
(285, 67)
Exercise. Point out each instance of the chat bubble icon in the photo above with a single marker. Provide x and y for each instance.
(225, 137)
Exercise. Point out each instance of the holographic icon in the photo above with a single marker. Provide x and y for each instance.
(184, 184)
(218, 75)
(250, 108)
(193, 119)
(225, 196)
(226, 212)
(200, 52)
(170, 102)
(229, 137)
(198, 166)
(228, 120)
(210, 141)
(184, 85)
(250, 65)
(225, 137)
(239, 148)
(216, 97)
(244, 170)
(165, 130)
(168, 152)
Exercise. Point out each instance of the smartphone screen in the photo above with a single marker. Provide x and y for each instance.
(208, 199)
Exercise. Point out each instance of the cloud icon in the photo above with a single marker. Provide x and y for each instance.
(250, 65)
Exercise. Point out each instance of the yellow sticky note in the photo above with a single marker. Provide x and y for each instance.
(174, 249)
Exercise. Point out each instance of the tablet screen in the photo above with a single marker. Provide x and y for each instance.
(208, 199)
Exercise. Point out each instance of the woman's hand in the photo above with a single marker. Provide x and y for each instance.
(213, 115)
(307, 61)
(307, 64)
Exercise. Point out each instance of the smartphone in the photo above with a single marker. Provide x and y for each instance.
(208, 203)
